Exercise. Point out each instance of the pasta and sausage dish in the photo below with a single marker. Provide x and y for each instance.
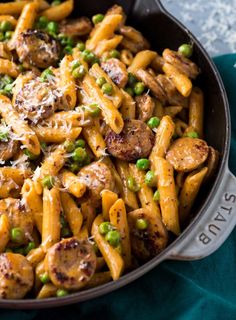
(102, 150)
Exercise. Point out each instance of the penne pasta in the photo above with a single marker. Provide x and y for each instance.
(189, 192)
(108, 199)
(72, 212)
(51, 218)
(72, 184)
(19, 126)
(142, 60)
(118, 219)
(113, 259)
(56, 135)
(128, 196)
(59, 12)
(4, 232)
(111, 115)
(168, 197)
(196, 111)
(95, 140)
(128, 106)
(8, 67)
(25, 22)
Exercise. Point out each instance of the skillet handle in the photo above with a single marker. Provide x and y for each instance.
(215, 225)
(147, 6)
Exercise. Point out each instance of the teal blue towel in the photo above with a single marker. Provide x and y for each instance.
(204, 289)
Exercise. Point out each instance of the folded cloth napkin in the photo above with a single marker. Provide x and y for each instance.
(204, 289)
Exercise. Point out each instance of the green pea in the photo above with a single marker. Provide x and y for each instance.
(62, 38)
(107, 88)
(131, 80)
(70, 41)
(48, 182)
(2, 36)
(8, 35)
(105, 227)
(52, 27)
(75, 64)
(7, 79)
(79, 155)
(6, 26)
(81, 46)
(114, 54)
(43, 145)
(186, 50)
(4, 135)
(80, 143)
(156, 196)
(65, 232)
(68, 50)
(61, 293)
(21, 67)
(43, 21)
(100, 81)
(55, 3)
(46, 75)
(79, 72)
(130, 91)
(44, 278)
(74, 167)
(97, 18)
(8, 89)
(141, 224)
(132, 185)
(17, 235)
(94, 110)
(29, 247)
(69, 146)
(153, 122)
(143, 164)
(192, 134)
(150, 179)
(30, 155)
(113, 237)
(88, 56)
(139, 88)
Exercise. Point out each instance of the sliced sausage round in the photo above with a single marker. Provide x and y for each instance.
(70, 263)
(151, 241)
(76, 27)
(16, 276)
(135, 141)
(96, 176)
(37, 48)
(145, 106)
(116, 70)
(187, 154)
(37, 100)
(8, 149)
(18, 215)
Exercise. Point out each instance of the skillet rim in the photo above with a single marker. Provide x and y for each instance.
(137, 273)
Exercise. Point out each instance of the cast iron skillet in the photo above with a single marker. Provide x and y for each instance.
(216, 206)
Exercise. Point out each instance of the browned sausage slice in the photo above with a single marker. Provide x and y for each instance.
(70, 263)
(151, 241)
(187, 154)
(36, 100)
(152, 84)
(8, 147)
(116, 70)
(76, 27)
(96, 176)
(37, 48)
(16, 276)
(18, 216)
(135, 141)
(184, 65)
(145, 106)
(133, 40)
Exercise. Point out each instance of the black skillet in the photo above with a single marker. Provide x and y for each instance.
(216, 206)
